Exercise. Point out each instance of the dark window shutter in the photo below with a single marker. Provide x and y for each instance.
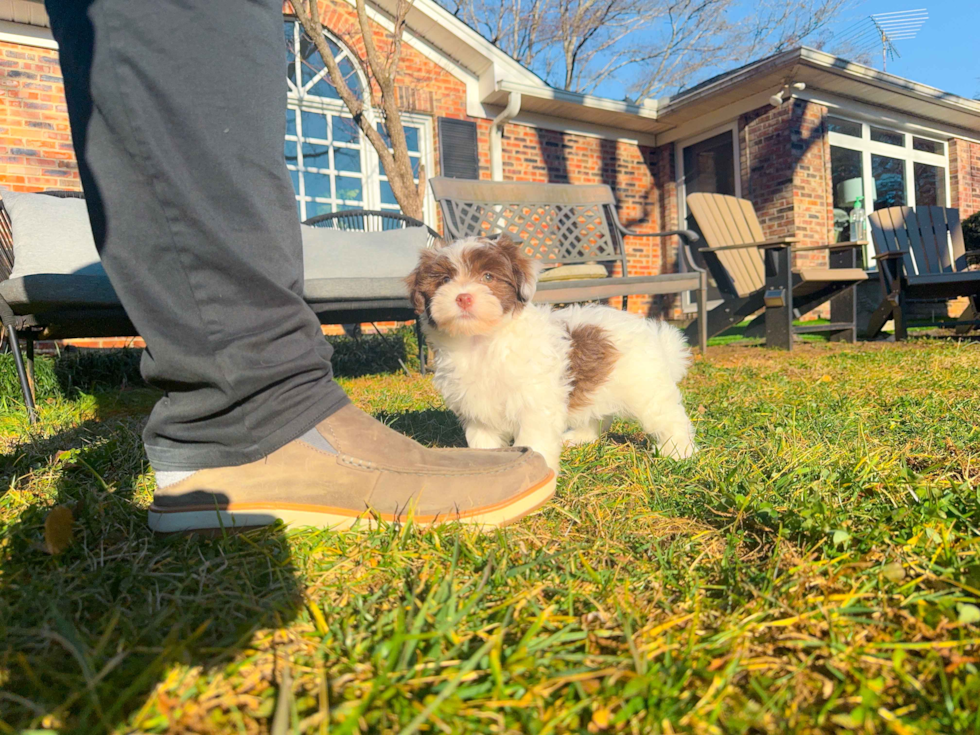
(458, 149)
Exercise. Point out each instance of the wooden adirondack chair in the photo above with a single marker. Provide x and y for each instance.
(920, 255)
(753, 273)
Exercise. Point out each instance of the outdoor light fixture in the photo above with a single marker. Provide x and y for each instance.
(782, 95)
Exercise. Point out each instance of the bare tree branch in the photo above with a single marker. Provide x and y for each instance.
(382, 72)
(646, 46)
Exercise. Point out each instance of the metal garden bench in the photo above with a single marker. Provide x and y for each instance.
(566, 226)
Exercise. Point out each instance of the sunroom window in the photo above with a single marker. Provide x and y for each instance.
(886, 167)
(332, 166)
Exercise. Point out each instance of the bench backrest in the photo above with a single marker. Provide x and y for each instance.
(726, 220)
(561, 223)
(932, 238)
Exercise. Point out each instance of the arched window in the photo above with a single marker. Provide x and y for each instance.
(332, 167)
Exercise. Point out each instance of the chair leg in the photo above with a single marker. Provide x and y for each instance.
(779, 292)
(703, 314)
(29, 358)
(881, 315)
(420, 339)
(970, 314)
(25, 383)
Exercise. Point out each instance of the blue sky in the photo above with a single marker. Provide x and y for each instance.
(946, 52)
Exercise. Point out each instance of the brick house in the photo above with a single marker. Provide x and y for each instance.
(472, 111)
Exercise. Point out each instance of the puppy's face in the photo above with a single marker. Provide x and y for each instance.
(470, 287)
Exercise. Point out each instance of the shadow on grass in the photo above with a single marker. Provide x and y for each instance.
(94, 639)
(87, 636)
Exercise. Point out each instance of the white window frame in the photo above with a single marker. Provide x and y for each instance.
(370, 163)
(687, 304)
(905, 153)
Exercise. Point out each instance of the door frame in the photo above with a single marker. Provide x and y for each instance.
(687, 304)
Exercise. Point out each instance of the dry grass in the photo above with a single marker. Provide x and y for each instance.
(815, 569)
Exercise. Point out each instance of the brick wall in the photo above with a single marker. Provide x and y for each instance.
(964, 176)
(634, 172)
(35, 142)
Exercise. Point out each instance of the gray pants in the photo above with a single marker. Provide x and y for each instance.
(177, 112)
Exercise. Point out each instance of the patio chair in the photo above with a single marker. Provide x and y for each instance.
(366, 220)
(573, 229)
(754, 273)
(921, 256)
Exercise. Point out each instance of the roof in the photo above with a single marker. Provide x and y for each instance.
(491, 75)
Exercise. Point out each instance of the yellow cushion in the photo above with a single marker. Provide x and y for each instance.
(577, 272)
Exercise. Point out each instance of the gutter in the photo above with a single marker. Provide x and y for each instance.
(497, 133)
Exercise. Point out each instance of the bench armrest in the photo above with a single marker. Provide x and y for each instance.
(892, 255)
(687, 236)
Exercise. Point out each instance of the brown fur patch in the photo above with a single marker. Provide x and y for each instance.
(423, 282)
(496, 259)
(591, 360)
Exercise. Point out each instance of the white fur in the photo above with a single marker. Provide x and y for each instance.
(511, 382)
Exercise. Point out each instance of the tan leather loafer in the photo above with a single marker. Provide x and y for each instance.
(353, 472)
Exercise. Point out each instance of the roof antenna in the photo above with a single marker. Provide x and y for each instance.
(881, 30)
(901, 25)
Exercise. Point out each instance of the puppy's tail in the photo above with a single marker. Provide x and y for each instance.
(673, 346)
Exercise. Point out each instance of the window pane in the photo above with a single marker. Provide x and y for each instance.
(347, 159)
(314, 125)
(349, 188)
(345, 130)
(416, 162)
(844, 127)
(287, 31)
(315, 208)
(317, 185)
(387, 195)
(294, 175)
(384, 135)
(289, 151)
(316, 155)
(290, 121)
(929, 146)
(412, 138)
(350, 76)
(930, 185)
(889, 177)
(887, 136)
(847, 174)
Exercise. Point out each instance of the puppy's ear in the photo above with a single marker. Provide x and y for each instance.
(525, 270)
(417, 278)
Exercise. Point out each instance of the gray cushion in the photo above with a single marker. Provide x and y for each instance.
(330, 289)
(41, 292)
(51, 235)
(342, 254)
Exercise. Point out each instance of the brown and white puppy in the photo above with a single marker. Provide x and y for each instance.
(517, 372)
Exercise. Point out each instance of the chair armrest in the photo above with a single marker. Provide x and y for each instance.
(834, 246)
(892, 255)
(774, 244)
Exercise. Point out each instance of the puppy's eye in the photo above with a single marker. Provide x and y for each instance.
(487, 277)
(446, 280)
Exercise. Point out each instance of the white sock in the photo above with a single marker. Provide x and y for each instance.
(169, 478)
(312, 437)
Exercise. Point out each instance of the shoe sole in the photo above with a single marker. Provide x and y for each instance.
(250, 515)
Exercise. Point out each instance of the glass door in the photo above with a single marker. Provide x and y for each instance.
(708, 166)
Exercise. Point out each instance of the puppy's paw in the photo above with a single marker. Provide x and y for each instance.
(678, 448)
(575, 437)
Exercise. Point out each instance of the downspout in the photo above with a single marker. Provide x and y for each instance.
(497, 134)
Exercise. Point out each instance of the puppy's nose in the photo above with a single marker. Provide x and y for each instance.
(464, 301)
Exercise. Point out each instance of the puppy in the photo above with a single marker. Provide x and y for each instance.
(514, 371)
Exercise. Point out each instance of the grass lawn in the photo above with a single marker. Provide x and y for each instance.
(816, 568)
